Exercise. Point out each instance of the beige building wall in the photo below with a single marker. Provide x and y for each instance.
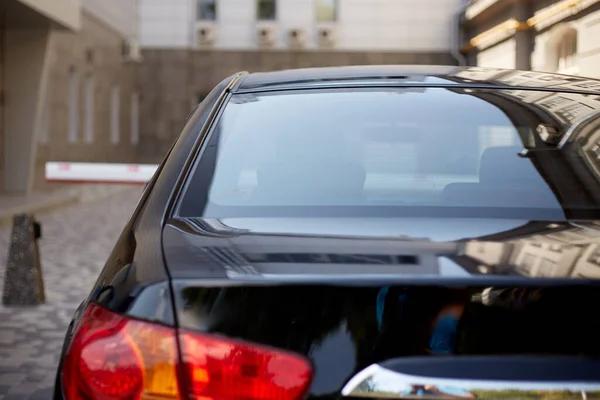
(539, 59)
(119, 15)
(588, 50)
(587, 29)
(66, 13)
(25, 71)
(174, 80)
(27, 27)
(71, 87)
(89, 103)
(552, 26)
(1, 105)
(359, 25)
(501, 55)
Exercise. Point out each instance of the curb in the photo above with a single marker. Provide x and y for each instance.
(59, 200)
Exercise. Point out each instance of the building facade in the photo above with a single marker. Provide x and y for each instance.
(25, 31)
(68, 78)
(190, 45)
(543, 35)
(421, 26)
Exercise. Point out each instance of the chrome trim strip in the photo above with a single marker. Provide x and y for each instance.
(378, 382)
(372, 84)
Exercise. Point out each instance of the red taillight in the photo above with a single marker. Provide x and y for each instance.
(227, 370)
(114, 358)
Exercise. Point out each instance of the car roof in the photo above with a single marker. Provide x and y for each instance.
(415, 75)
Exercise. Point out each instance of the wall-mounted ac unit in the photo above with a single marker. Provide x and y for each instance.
(205, 35)
(326, 36)
(131, 51)
(297, 38)
(266, 36)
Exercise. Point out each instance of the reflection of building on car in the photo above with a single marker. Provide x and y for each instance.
(553, 250)
(438, 392)
(414, 320)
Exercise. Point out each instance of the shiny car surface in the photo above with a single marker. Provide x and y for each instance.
(380, 232)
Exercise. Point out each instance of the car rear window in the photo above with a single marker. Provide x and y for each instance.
(436, 151)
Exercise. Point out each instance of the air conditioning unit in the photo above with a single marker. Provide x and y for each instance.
(131, 51)
(205, 35)
(266, 36)
(297, 38)
(326, 37)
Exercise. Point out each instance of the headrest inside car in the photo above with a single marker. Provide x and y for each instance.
(331, 176)
(502, 165)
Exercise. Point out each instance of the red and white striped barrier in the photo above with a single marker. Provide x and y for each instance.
(67, 172)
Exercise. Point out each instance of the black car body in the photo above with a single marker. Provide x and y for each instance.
(334, 275)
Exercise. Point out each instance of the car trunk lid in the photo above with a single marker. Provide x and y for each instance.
(351, 296)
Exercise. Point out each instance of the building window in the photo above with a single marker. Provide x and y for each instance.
(567, 52)
(326, 10)
(73, 105)
(561, 50)
(114, 115)
(206, 10)
(89, 110)
(135, 118)
(45, 118)
(266, 10)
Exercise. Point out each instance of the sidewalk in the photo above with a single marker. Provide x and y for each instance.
(40, 203)
(75, 244)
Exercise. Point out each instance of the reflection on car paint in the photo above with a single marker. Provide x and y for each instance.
(379, 382)
(534, 249)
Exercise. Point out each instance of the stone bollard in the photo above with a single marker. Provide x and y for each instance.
(23, 280)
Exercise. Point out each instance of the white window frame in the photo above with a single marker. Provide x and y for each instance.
(135, 118)
(43, 137)
(90, 86)
(115, 114)
(73, 106)
(566, 52)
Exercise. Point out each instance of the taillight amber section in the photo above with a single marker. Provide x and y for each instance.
(157, 350)
(114, 358)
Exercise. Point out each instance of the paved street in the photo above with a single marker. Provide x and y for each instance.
(75, 244)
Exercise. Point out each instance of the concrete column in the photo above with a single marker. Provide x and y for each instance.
(472, 57)
(468, 33)
(1, 103)
(26, 66)
(524, 39)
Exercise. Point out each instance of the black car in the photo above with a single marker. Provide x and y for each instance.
(383, 231)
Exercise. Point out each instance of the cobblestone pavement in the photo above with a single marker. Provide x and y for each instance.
(74, 246)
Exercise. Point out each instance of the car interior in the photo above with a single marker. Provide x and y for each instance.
(389, 172)
(503, 179)
(414, 150)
